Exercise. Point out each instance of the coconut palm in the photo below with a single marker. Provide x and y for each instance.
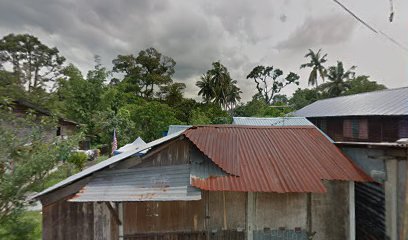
(217, 86)
(338, 79)
(316, 63)
(206, 87)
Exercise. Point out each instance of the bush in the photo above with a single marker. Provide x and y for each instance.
(78, 159)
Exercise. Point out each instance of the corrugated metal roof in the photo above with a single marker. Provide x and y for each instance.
(271, 159)
(276, 121)
(177, 128)
(165, 183)
(106, 163)
(383, 103)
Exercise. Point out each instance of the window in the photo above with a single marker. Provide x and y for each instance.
(355, 129)
(323, 125)
(403, 128)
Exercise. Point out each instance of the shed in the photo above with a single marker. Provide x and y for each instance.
(211, 182)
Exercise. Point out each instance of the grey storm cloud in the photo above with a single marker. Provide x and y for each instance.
(315, 32)
(241, 34)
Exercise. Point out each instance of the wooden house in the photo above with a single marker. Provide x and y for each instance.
(211, 182)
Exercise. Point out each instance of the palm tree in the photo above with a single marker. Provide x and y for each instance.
(217, 86)
(316, 63)
(206, 87)
(338, 77)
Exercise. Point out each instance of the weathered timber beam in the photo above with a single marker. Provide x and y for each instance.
(114, 213)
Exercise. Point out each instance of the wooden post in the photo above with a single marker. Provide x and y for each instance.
(120, 211)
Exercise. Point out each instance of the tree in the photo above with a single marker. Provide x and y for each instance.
(217, 86)
(82, 97)
(362, 84)
(206, 86)
(338, 78)
(143, 73)
(172, 93)
(257, 107)
(151, 118)
(316, 63)
(304, 97)
(269, 81)
(34, 64)
(27, 155)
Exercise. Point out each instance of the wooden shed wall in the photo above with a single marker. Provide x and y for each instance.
(78, 221)
(215, 212)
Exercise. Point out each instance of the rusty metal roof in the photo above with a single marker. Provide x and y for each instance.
(165, 183)
(271, 159)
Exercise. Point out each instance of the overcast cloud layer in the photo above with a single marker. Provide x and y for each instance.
(242, 34)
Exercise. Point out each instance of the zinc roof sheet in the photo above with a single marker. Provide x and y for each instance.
(276, 121)
(177, 128)
(388, 102)
(271, 159)
(166, 183)
(104, 164)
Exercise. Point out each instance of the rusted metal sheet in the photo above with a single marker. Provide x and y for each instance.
(271, 159)
(219, 146)
(166, 183)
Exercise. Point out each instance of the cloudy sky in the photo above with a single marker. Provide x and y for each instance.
(242, 34)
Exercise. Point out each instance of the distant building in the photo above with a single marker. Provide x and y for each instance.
(380, 116)
(370, 128)
(65, 126)
(216, 182)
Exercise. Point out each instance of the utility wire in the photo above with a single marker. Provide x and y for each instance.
(355, 16)
(389, 38)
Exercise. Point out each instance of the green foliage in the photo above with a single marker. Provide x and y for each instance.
(172, 94)
(304, 97)
(338, 79)
(142, 73)
(362, 84)
(108, 120)
(269, 81)
(78, 159)
(28, 152)
(218, 87)
(22, 225)
(257, 107)
(151, 119)
(316, 64)
(33, 64)
(81, 98)
(199, 117)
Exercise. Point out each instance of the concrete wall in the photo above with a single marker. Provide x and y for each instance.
(280, 210)
(330, 212)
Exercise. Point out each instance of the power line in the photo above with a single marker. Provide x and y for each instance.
(388, 37)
